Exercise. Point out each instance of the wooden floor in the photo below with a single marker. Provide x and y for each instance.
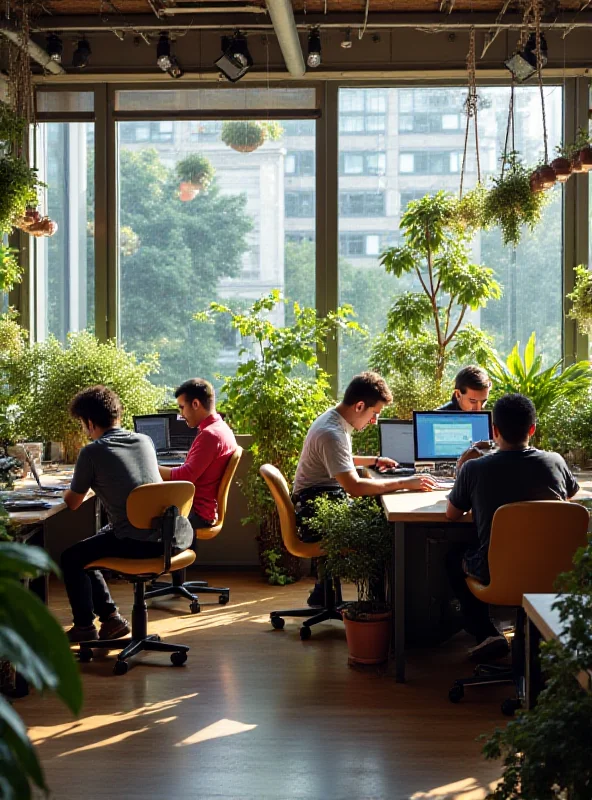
(257, 714)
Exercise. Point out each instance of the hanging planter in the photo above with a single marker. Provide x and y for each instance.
(562, 167)
(196, 174)
(545, 176)
(245, 136)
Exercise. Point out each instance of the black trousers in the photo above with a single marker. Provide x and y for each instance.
(476, 614)
(87, 590)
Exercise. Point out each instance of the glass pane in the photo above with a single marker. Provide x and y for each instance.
(181, 247)
(64, 101)
(65, 262)
(420, 162)
(219, 99)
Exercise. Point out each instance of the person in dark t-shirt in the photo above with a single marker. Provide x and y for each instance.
(515, 473)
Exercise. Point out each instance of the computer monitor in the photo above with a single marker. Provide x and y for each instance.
(156, 426)
(444, 435)
(395, 438)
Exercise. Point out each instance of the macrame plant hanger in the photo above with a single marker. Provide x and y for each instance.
(510, 131)
(471, 108)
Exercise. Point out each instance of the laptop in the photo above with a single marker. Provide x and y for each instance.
(444, 435)
(58, 487)
(171, 442)
(395, 437)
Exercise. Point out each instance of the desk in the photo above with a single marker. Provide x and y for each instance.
(542, 623)
(403, 509)
(53, 528)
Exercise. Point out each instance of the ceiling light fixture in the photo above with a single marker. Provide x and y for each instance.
(175, 70)
(314, 48)
(82, 54)
(523, 64)
(346, 43)
(163, 52)
(54, 48)
(235, 60)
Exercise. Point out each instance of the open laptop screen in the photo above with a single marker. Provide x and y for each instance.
(156, 426)
(396, 440)
(444, 435)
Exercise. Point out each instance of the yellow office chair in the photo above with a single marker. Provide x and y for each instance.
(179, 587)
(279, 490)
(531, 544)
(153, 500)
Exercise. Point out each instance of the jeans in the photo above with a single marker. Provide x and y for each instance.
(87, 590)
(476, 614)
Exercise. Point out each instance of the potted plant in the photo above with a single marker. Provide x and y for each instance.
(247, 135)
(563, 165)
(357, 541)
(511, 202)
(196, 174)
(581, 299)
(18, 189)
(546, 750)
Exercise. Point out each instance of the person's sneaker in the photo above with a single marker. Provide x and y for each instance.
(316, 599)
(492, 648)
(78, 634)
(114, 627)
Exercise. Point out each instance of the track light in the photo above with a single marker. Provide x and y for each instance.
(346, 42)
(82, 54)
(54, 48)
(235, 60)
(523, 64)
(163, 52)
(175, 70)
(314, 48)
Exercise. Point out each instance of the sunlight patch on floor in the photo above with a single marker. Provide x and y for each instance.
(224, 727)
(467, 789)
(104, 742)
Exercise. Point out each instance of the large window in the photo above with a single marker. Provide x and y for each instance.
(395, 164)
(250, 231)
(63, 264)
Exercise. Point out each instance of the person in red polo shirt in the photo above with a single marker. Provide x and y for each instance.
(209, 453)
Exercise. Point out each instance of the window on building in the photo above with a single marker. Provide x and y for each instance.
(300, 163)
(364, 111)
(362, 244)
(141, 132)
(425, 162)
(299, 204)
(359, 162)
(362, 204)
(299, 127)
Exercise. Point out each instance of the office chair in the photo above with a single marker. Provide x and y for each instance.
(332, 587)
(531, 544)
(165, 501)
(179, 587)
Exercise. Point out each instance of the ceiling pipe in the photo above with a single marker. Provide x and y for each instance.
(282, 17)
(36, 52)
(236, 9)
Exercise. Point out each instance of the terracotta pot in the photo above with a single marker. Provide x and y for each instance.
(536, 184)
(187, 191)
(368, 640)
(576, 163)
(586, 158)
(547, 176)
(562, 168)
(246, 148)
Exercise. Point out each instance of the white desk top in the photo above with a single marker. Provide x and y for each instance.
(539, 609)
(40, 515)
(431, 506)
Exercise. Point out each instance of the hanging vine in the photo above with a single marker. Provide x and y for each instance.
(21, 96)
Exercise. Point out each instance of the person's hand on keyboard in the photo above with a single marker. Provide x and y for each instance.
(382, 463)
(418, 483)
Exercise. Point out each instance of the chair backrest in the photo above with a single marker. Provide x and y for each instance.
(281, 494)
(531, 543)
(151, 500)
(223, 491)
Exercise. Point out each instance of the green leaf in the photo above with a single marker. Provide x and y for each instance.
(24, 612)
(14, 783)
(14, 733)
(529, 353)
(26, 561)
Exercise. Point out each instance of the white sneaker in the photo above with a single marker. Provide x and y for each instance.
(492, 648)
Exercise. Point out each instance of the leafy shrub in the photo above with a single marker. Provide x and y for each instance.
(581, 299)
(196, 169)
(18, 189)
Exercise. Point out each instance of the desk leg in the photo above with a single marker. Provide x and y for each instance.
(533, 677)
(398, 595)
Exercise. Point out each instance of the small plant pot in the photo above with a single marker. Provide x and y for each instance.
(547, 176)
(576, 163)
(586, 158)
(368, 640)
(246, 148)
(536, 184)
(187, 191)
(562, 168)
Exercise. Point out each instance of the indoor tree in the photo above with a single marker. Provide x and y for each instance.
(424, 330)
(276, 394)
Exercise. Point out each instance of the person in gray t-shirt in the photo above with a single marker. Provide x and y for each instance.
(115, 463)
